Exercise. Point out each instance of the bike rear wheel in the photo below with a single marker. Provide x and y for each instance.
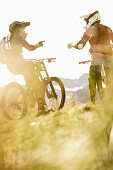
(12, 101)
(52, 102)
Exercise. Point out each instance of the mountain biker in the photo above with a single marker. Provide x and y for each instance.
(99, 37)
(16, 63)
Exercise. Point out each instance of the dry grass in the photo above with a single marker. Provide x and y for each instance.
(73, 138)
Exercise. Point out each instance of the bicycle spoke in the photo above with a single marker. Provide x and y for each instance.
(52, 101)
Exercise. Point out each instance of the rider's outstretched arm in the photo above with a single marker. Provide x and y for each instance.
(86, 37)
(32, 47)
(79, 45)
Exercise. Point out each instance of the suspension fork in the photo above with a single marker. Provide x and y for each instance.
(49, 80)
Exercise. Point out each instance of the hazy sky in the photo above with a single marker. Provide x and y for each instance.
(58, 23)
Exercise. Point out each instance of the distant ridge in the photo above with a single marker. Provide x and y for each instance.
(82, 94)
(71, 83)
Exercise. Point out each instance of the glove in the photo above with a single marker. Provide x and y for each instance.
(40, 44)
(69, 45)
(72, 46)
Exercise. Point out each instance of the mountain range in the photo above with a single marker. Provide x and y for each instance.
(72, 83)
(81, 94)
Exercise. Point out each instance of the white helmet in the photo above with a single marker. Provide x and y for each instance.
(91, 18)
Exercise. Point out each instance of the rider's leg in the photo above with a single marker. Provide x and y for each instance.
(109, 83)
(92, 89)
(38, 89)
(99, 81)
(92, 84)
(100, 89)
(109, 74)
(33, 81)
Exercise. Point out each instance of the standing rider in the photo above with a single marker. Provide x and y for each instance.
(99, 37)
(16, 63)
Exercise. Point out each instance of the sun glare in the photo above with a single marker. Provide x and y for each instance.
(7, 77)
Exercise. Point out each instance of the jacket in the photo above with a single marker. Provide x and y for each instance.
(99, 37)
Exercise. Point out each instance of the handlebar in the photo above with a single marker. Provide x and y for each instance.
(41, 60)
(85, 62)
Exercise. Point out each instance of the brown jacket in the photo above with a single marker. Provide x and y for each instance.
(99, 37)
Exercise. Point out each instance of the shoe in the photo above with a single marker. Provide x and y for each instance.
(48, 111)
(40, 113)
(44, 112)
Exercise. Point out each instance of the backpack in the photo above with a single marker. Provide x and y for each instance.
(5, 49)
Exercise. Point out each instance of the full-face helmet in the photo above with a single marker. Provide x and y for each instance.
(91, 18)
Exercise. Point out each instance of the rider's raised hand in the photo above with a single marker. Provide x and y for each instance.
(78, 46)
(40, 44)
(69, 45)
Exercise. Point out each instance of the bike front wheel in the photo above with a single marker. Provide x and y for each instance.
(12, 101)
(55, 100)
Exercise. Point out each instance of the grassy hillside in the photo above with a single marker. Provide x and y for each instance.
(74, 138)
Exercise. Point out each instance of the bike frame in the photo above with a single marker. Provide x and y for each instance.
(45, 80)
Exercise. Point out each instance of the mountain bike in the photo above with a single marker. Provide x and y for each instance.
(17, 99)
(103, 77)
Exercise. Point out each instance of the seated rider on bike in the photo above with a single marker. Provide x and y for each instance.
(16, 63)
(99, 37)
